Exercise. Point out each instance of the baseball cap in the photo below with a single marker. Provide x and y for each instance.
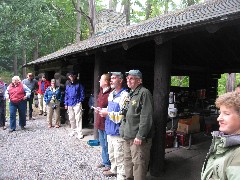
(134, 73)
(117, 74)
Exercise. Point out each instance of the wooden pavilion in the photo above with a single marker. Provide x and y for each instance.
(201, 41)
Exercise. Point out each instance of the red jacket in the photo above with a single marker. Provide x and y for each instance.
(16, 93)
(47, 83)
(102, 102)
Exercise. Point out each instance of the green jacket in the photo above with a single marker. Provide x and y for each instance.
(223, 159)
(139, 117)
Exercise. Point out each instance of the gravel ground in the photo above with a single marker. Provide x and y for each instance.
(42, 153)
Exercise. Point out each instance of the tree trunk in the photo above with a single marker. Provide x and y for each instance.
(92, 14)
(15, 65)
(230, 83)
(127, 11)
(24, 60)
(148, 9)
(113, 5)
(166, 7)
(35, 51)
(78, 33)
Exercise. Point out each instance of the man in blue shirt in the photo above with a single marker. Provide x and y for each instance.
(74, 96)
(32, 84)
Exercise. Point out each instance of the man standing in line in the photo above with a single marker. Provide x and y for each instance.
(2, 104)
(32, 84)
(17, 94)
(74, 96)
(42, 86)
(137, 128)
(102, 102)
(113, 120)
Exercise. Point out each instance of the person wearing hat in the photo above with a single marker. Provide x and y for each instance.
(74, 96)
(32, 84)
(42, 86)
(137, 127)
(52, 98)
(113, 121)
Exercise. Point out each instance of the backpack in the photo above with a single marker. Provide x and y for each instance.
(2, 89)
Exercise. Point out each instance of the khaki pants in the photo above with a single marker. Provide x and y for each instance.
(75, 117)
(41, 103)
(50, 112)
(116, 155)
(136, 159)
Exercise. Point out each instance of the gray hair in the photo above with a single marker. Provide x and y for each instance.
(16, 78)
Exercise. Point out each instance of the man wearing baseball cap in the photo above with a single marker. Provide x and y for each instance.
(137, 128)
(113, 121)
(74, 96)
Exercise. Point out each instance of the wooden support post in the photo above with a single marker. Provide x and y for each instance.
(162, 74)
(97, 74)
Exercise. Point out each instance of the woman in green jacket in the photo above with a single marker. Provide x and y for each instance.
(223, 160)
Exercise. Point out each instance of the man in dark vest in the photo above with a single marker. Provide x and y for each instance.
(17, 94)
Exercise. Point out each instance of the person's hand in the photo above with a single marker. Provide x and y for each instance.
(137, 141)
(25, 97)
(103, 113)
(66, 107)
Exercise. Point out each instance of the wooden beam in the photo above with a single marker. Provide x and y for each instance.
(162, 73)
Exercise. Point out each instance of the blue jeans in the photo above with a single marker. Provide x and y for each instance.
(104, 145)
(21, 107)
(30, 102)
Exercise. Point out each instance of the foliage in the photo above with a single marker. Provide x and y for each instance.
(6, 76)
(180, 81)
(222, 83)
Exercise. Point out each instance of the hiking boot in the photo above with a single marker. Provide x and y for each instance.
(108, 173)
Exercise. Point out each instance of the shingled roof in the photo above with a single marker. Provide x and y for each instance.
(196, 15)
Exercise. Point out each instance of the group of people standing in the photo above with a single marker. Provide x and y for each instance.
(20, 93)
(125, 125)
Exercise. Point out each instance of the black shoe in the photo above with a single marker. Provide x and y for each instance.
(45, 114)
(11, 130)
(23, 128)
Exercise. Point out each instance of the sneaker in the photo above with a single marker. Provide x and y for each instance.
(100, 166)
(23, 128)
(108, 173)
(11, 130)
(72, 133)
(32, 118)
(45, 114)
(4, 127)
(80, 136)
(41, 113)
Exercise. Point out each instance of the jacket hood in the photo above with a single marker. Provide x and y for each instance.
(228, 140)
